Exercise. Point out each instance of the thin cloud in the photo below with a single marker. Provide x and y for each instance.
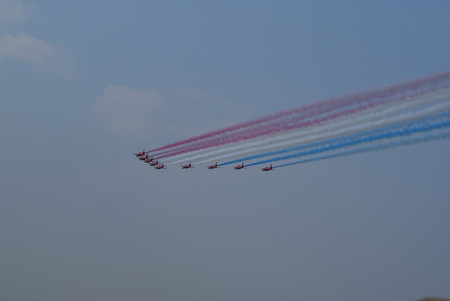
(26, 48)
(129, 111)
(147, 113)
(14, 10)
(43, 56)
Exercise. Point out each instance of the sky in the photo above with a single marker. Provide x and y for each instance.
(85, 84)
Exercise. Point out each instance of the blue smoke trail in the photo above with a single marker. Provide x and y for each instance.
(413, 129)
(371, 149)
(343, 139)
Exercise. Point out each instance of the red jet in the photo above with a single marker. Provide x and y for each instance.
(144, 157)
(239, 166)
(186, 166)
(213, 166)
(267, 168)
(153, 163)
(149, 160)
(159, 166)
(140, 154)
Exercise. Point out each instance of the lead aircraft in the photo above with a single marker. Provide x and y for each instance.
(139, 154)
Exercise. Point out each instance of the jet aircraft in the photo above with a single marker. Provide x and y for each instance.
(144, 157)
(160, 166)
(140, 154)
(149, 160)
(213, 166)
(153, 163)
(239, 166)
(186, 166)
(267, 168)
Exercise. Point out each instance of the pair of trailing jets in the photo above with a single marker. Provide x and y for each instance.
(143, 156)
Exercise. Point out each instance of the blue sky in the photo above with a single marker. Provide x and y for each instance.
(85, 84)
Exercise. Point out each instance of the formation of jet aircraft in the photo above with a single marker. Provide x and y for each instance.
(151, 161)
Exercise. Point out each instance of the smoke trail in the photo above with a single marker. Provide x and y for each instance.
(411, 129)
(384, 125)
(311, 119)
(370, 118)
(417, 86)
(372, 148)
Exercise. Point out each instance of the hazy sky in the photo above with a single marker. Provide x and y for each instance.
(85, 84)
